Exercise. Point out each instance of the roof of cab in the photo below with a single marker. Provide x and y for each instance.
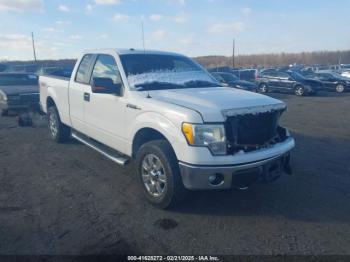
(130, 51)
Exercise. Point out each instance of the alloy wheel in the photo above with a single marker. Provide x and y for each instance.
(153, 175)
(299, 91)
(263, 88)
(340, 88)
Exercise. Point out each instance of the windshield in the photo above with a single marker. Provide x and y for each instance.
(335, 75)
(18, 79)
(229, 78)
(158, 72)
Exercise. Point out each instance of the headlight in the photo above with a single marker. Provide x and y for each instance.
(3, 97)
(211, 136)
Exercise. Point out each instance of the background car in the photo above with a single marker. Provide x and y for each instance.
(3, 67)
(332, 81)
(25, 68)
(288, 81)
(233, 81)
(346, 74)
(55, 71)
(18, 92)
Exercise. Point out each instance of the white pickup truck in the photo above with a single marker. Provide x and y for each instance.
(184, 130)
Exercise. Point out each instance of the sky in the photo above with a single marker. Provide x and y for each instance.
(63, 28)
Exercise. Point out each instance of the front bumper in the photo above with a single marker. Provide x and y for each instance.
(234, 176)
(18, 107)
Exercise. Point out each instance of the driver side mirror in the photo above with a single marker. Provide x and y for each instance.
(104, 85)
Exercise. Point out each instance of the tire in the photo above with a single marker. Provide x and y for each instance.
(299, 90)
(58, 131)
(263, 88)
(339, 88)
(159, 174)
(24, 120)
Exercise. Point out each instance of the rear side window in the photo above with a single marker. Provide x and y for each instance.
(281, 74)
(84, 70)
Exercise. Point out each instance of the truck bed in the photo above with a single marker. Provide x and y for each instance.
(59, 87)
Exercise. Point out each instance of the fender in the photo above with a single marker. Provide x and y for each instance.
(159, 123)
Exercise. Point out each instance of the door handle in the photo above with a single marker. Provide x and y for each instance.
(87, 97)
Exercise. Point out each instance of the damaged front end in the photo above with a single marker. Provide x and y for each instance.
(253, 129)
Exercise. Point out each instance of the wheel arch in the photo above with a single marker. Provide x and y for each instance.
(50, 102)
(145, 135)
(295, 85)
(154, 125)
(263, 83)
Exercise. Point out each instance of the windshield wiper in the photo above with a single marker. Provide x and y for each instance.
(157, 86)
(200, 84)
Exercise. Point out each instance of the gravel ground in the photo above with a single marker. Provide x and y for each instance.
(68, 199)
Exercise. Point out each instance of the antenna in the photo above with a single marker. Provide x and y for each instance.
(143, 36)
(233, 53)
(33, 47)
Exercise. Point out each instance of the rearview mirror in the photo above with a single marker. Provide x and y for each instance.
(104, 85)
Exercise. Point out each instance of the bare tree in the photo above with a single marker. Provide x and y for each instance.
(281, 59)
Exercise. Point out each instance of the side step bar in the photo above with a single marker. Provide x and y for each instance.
(102, 149)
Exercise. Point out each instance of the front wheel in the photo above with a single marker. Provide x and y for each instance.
(159, 174)
(340, 88)
(263, 88)
(299, 90)
(58, 131)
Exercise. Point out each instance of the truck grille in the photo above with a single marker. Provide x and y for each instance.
(252, 131)
(29, 98)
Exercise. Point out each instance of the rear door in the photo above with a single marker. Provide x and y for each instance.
(271, 78)
(105, 113)
(327, 80)
(285, 82)
(76, 92)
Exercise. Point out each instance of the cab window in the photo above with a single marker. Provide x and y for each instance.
(106, 67)
(84, 70)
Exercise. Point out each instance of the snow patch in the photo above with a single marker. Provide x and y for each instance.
(253, 110)
(167, 76)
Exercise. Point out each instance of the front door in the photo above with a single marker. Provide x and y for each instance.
(285, 82)
(105, 113)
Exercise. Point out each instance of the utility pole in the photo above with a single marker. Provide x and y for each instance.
(233, 54)
(143, 37)
(33, 47)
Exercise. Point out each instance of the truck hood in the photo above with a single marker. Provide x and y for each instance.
(21, 89)
(215, 104)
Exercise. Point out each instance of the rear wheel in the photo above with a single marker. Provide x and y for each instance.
(263, 88)
(340, 88)
(299, 90)
(158, 171)
(58, 131)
